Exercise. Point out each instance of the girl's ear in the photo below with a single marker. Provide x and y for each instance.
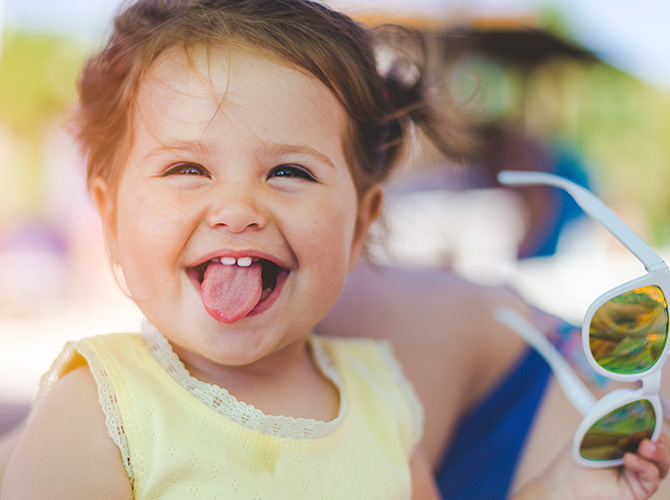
(107, 209)
(369, 210)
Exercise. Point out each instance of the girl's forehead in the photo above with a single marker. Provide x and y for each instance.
(191, 93)
(224, 73)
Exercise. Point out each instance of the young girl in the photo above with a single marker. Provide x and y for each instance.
(235, 150)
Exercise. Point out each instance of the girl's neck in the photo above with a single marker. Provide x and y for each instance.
(286, 383)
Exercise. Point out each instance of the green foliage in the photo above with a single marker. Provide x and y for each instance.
(37, 84)
(37, 75)
(620, 127)
(617, 124)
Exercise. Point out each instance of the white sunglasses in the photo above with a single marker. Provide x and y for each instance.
(624, 335)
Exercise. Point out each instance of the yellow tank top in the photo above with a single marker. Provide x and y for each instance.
(181, 438)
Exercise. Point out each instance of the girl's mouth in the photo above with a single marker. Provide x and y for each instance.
(232, 288)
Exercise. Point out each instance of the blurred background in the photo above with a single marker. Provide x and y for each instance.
(566, 86)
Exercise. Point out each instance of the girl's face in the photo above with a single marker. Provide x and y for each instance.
(236, 159)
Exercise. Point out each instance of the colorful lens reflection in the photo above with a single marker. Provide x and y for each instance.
(628, 333)
(619, 431)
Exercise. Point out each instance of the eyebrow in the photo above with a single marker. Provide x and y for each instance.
(296, 149)
(192, 147)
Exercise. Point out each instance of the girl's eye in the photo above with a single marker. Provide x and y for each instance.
(291, 171)
(187, 169)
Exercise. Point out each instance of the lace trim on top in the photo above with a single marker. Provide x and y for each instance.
(106, 396)
(220, 400)
(413, 403)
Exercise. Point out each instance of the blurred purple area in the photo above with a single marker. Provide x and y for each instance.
(11, 414)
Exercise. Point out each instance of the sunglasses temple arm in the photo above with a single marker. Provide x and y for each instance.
(593, 207)
(573, 387)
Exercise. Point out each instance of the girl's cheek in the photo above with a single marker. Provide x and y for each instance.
(161, 215)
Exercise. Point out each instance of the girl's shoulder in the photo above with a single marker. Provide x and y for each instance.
(370, 375)
(66, 445)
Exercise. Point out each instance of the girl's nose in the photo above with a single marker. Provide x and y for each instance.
(237, 209)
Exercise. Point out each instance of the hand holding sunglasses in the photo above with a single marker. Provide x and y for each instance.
(625, 338)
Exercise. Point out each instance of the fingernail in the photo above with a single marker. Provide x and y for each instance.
(650, 446)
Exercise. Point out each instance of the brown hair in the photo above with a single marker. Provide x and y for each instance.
(331, 46)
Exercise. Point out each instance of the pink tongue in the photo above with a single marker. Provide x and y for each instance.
(231, 292)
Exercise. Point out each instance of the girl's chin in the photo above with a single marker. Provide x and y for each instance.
(230, 350)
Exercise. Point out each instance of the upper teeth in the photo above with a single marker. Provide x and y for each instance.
(231, 261)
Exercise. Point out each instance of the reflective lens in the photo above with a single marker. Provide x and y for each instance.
(619, 431)
(627, 333)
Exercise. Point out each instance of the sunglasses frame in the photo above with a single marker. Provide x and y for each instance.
(659, 277)
(657, 274)
(576, 391)
(607, 404)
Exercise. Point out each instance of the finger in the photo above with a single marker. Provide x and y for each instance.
(663, 443)
(657, 452)
(642, 475)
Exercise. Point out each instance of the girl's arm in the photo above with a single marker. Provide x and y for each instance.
(65, 451)
(7, 444)
(423, 482)
(637, 480)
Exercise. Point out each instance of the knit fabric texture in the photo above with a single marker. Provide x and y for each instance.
(180, 436)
